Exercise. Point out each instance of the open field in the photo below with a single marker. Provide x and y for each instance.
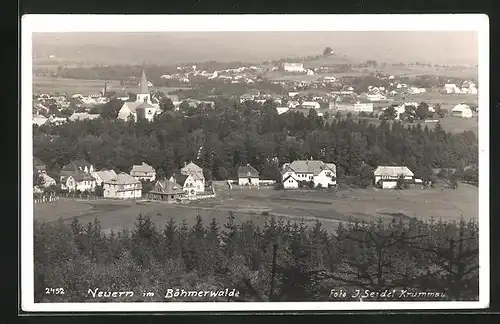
(450, 124)
(458, 125)
(413, 71)
(447, 101)
(72, 86)
(401, 71)
(259, 204)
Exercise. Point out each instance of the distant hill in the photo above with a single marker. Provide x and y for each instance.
(179, 47)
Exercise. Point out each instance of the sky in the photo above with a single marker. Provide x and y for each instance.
(178, 47)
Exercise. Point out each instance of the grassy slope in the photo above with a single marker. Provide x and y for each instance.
(250, 203)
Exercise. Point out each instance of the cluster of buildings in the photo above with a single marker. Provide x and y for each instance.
(243, 74)
(142, 107)
(297, 68)
(323, 175)
(318, 174)
(81, 176)
(467, 87)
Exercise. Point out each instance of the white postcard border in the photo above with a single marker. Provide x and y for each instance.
(208, 23)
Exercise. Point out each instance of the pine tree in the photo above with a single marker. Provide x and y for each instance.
(229, 235)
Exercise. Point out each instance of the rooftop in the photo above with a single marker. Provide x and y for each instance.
(75, 165)
(144, 167)
(167, 187)
(106, 175)
(81, 176)
(144, 83)
(309, 166)
(392, 171)
(123, 179)
(247, 171)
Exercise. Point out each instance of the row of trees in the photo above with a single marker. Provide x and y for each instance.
(412, 112)
(220, 139)
(278, 261)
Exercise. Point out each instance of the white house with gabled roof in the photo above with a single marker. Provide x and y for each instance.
(320, 173)
(387, 176)
(143, 171)
(462, 111)
(191, 169)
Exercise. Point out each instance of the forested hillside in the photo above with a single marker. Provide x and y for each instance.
(221, 139)
(414, 256)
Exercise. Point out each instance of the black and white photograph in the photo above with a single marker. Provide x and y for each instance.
(254, 162)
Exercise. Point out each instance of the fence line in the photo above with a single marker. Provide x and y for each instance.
(197, 197)
(45, 199)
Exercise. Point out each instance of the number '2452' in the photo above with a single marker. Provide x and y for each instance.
(54, 291)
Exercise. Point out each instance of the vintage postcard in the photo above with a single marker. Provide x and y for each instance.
(254, 163)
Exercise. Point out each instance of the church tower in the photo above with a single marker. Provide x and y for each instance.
(143, 95)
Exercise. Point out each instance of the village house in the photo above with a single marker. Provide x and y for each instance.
(320, 173)
(293, 67)
(142, 107)
(248, 176)
(246, 97)
(451, 88)
(401, 109)
(469, 87)
(187, 183)
(310, 105)
(47, 180)
(387, 177)
(143, 171)
(39, 108)
(375, 97)
(57, 120)
(196, 173)
(462, 111)
(166, 190)
(82, 116)
(282, 110)
(78, 181)
(39, 120)
(122, 186)
(78, 165)
(103, 176)
(290, 181)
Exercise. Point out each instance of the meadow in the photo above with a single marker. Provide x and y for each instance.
(42, 84)
(447, 101)
(401, 71)
(330, 207)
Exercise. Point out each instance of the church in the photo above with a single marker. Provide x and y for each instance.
(142, 108)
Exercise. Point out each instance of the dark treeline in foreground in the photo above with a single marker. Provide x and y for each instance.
(413, 256)
(222, 138)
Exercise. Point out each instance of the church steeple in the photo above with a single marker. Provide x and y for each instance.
(144, 83)
(143, 95)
